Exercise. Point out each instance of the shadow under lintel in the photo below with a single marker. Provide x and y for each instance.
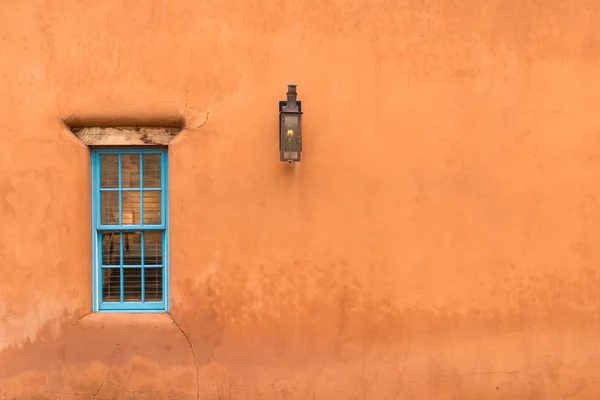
(138, 120)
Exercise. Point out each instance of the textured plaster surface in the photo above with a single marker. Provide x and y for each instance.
(439, 240)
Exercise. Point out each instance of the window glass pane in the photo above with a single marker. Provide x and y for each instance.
(131, 262)
(153, 248)
(109, 205)
(111, 284)
(109, 171)
(130, 165)
(111, 248)
(152, 208)
(132, 248)
(131, 208)
(153, 284)
(132, 284)
(152, 172)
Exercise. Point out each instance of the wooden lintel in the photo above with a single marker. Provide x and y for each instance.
(126, 136)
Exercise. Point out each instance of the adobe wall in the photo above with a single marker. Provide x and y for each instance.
(439, 239)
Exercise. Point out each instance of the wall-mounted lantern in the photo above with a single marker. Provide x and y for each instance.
(290, 127)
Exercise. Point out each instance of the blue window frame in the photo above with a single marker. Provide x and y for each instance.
(130, 238)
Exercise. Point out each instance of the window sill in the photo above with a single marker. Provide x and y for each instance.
(132, 307)
(100, 319)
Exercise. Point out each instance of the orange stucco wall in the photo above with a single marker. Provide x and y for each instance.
(439, 240)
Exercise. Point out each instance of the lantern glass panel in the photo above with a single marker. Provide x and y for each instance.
(290, 135)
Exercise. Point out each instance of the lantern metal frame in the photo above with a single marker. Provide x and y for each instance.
(290, 107)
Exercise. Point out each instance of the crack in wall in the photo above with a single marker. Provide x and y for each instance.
(103, 384)
(184, 113)
(205, 120)
(80, 393)
(193, 355)
(187, 88)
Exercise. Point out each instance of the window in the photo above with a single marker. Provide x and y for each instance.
(130, 238)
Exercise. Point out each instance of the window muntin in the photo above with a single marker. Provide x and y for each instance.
(130, 230)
